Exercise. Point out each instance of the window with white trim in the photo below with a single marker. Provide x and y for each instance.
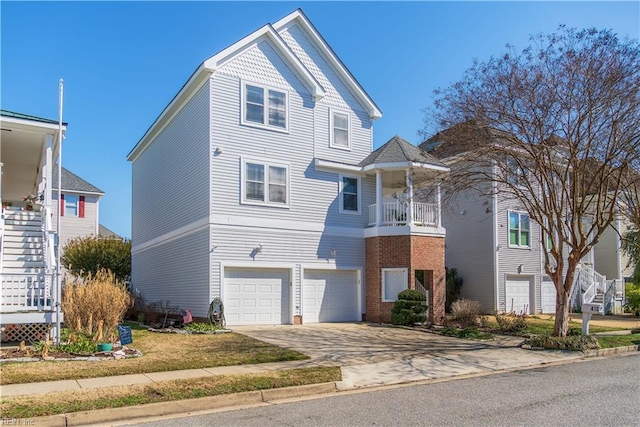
(350, 194)
(516, 174)
(340, 127)
(71, 205)
(264, 106)
(265, 183)
(394, 281)
(519, 230)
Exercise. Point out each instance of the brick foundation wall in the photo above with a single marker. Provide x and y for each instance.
(413, 253)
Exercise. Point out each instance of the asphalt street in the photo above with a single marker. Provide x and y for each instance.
(599, 392)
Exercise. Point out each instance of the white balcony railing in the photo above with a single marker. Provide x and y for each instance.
(396, 214)
(26, 292)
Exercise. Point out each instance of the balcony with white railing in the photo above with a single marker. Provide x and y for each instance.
(399, 214)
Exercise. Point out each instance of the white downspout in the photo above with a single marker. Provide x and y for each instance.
(439, 206)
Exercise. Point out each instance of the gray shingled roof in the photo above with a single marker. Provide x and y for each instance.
(397, 150)
(72, 182)
(105, 232)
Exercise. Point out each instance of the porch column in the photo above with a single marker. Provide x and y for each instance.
(409, 181)
(378, 198)
(438, 208)
(47, 170)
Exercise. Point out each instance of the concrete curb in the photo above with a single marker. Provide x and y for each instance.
(611, 351)
(182, 406)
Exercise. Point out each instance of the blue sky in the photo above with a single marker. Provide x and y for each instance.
(122, 62)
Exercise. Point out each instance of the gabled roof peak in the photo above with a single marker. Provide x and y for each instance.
(398, 150)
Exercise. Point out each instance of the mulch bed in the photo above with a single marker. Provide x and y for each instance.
(28, 355)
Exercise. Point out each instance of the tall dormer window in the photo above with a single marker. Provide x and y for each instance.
(340, 130)
(264, 107)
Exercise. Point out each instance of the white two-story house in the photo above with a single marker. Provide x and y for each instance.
(499, 251)
(257, 184)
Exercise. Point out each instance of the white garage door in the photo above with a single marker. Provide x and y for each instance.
(330, 296)
(256, 296)
(517, 292)
(548, 296)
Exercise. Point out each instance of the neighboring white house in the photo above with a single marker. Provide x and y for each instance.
(498, 250)
(258, 184)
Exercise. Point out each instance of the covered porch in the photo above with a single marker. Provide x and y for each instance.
(28, 148)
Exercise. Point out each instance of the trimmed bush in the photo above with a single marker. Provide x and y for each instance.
(633, 301)
(573, 342)
(409, 308)
(512, 324)
(465, 312)
(88, 255)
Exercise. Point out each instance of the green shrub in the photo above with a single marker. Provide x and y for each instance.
(633, 301)
(512, 324)
(465, 312)
(88, 255)
(471, 333)
(201, 327)
(409, 308)
(572, 342)
(454, 283)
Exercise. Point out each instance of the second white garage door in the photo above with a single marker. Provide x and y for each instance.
(517, 293)
(330, 296)
(256, 296)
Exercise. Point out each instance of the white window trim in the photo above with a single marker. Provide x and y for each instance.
(77, 205)
(511, 245)
(406, 280)
(266, 164)
(265, 125)
(332, 111)
(341, 187)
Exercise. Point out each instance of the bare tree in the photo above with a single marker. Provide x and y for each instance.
(629, 207)
(555, 127)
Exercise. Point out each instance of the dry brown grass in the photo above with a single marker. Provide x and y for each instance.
(95, 304)
(114, 397)
(161, 352)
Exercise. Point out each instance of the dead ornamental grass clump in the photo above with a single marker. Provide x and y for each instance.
(95, 304)
(465, 312)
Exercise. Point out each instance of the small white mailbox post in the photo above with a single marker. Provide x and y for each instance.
(587, 311)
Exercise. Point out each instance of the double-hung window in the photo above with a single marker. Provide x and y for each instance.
(71, 205)
(265, 183)
(340, 124)
(519, 230)
(349, 194)
(263, 106)
(516, 174)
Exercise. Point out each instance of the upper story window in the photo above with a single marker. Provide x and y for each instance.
(519, 230)
(516, 174)
(265, 183)
(349, 194)
(340, 124)
(72, 205)
(264, 107)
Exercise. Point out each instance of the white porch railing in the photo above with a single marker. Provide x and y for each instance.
(396, 214)
(26, 292)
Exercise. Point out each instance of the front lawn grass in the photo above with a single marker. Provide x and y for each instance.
(538, 326)
(161, 352)
(21, 407)
(610, 341)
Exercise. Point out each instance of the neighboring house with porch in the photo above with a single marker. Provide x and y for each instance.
(28, 147)
(499, 251)
(257, 184)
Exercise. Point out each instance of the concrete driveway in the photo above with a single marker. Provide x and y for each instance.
(347, 344)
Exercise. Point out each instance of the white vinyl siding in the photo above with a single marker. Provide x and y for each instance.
(74, 226)
(176, 271)
(340, 133)
(264, 106)
(394, 281)
(170, 179)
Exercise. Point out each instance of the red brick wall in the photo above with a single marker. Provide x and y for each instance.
(413, 253)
